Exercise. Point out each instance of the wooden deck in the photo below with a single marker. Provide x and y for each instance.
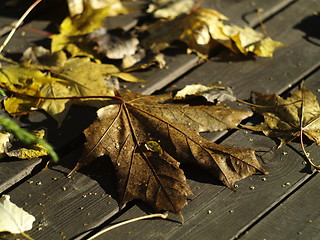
(282, 205)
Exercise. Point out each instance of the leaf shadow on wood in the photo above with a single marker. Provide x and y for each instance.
(310, 26)
(200, 175)
(225, 55)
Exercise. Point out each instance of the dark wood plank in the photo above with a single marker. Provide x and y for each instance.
(10, 174)
(296, 218)
(66, 208)
(71, 223)
(248, 14)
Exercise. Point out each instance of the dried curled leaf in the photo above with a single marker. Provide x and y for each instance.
(113, 46)
(12, 218)
(4, 140)
(169, 8)
(204, 29)
(146, 141)
(77, 6)
(286, 118)
(34, 151)
(73, 28)
(37, 146)
(211, 93)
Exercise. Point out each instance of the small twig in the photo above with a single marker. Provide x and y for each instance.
(305, 152)
(261, 106)
(17, 24)
(157, 215)
(263, 27)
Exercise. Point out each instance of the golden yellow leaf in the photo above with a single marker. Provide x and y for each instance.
(79, 77)
(36, 150)
(73, 28)
(169, 8)
(4, 140)
(204, 29)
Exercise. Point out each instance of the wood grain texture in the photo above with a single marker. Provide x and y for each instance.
(66, 208)
(10, 174)
(218, 213)
(296, 218)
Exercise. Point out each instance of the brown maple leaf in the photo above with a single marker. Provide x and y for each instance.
(286, 119)
(147, 140)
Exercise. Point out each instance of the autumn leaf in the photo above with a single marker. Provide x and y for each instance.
(113, 46)
(211, 93)
(147, 139)
(77, 6)
(41, 56)
(12, 218)
(72, 29)
(78, 77)
(286, 119)
(169, 8)
(34, 151)
(4, 140)
(204, 29)
(33, 144)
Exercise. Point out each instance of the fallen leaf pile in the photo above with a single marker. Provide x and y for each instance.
(203, 29)
(146, 137)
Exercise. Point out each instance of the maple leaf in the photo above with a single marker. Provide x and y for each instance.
(147, 138)
(286, 119)
(204, 29)
(76, 78)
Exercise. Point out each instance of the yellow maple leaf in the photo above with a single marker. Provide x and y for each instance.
(79, 77)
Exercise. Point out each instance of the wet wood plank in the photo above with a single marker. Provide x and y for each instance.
(198, 223)
(296, 218)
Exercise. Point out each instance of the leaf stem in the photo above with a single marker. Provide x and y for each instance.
(62, 98)
(18, 23)
(261, 106)
(301, 135)
(305, 152)
(26, 236)
(156, 215)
